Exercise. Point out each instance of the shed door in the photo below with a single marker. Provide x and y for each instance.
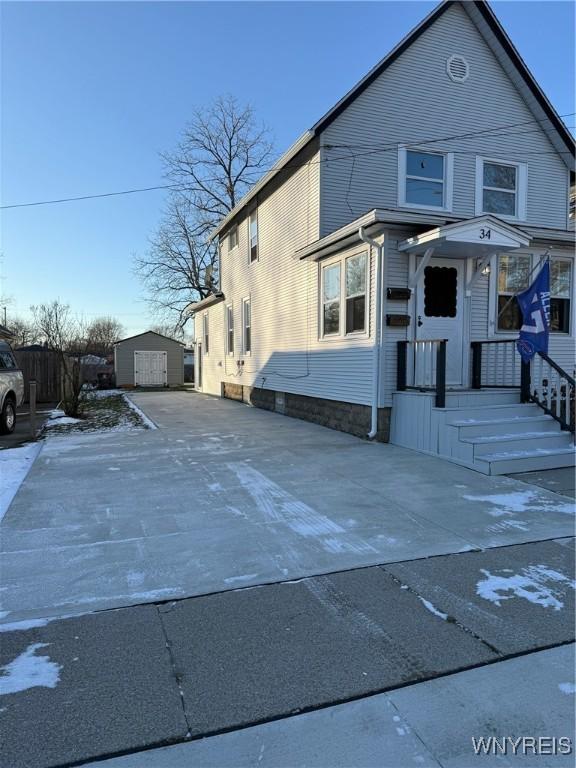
(150, 369)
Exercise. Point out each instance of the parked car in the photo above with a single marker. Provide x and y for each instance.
(11, 388)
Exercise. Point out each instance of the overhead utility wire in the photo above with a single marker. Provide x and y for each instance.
(386, 147)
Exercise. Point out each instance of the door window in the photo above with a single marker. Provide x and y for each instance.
(440, 291)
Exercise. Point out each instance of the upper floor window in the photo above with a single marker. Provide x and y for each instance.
(206, 334)
(425, 179)
(344, 286)
(233, 238)
(247, 326)
(230, 329)
(253, 236)
(500, 188)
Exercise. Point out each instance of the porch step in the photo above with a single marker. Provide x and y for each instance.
(514, 425)
(471, 415)
(525, 461)
(516, 443)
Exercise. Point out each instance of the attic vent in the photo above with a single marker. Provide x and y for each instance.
(458, 68)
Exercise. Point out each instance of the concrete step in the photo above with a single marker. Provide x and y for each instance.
(475, 414)
(525, 461)
(481, 397)
(514, 425)
(513, 443)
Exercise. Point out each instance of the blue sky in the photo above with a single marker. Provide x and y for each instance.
(92, 92)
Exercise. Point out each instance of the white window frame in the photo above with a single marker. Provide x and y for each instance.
(447, 181)
(521, 188)
(536, 260)
(246, 303)
(253, 216)
(229, 326)
(233, 231)
(341, 261)
(205, 334)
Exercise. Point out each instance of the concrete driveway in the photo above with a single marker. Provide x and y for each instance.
(224, 496)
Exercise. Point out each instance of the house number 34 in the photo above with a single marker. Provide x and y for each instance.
(485, 234)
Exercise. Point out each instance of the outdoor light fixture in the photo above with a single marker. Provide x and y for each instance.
(486, 270)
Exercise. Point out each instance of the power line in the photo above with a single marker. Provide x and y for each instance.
(379, 148)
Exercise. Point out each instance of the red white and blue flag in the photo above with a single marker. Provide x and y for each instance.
(534, 304)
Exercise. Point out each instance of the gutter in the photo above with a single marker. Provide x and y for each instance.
(377, 330)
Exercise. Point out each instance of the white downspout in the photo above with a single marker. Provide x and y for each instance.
(377, 329)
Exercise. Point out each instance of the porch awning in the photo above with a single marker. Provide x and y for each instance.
(478, 237)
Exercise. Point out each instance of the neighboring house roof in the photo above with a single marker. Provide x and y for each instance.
(496, 37)
(145, 333)
(34, 348)
(5, 333)
(214, 298)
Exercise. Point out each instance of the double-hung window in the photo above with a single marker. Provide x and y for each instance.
(425, 179)
(344, 288)
(331, 300)
(501, 188)
(230, 329)
(247, 326)
(253, 235)
(560, 293)
(356, 294)
(206, 334)
(515, 273)
(233, 238)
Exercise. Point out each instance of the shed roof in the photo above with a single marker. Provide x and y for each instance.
(146, 333)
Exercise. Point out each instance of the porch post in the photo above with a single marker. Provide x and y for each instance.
(476, 364)
(401, 365)
(524, 382)
(441, 374)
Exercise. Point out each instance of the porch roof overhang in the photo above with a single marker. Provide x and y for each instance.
(477, 237)
(214, 298)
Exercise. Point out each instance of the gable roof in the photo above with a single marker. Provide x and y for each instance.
(485, 20)
(145, 333)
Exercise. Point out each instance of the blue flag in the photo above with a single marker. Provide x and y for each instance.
(535, 307)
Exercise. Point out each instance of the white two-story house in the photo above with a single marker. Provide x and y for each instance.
(367, 282)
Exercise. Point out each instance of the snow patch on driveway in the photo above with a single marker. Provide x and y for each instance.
(432, 608)
(537, 583)
(29, 671)
(147, 421)
(15, 463)
(521, 501)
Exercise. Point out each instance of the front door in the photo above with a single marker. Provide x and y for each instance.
(439, 311)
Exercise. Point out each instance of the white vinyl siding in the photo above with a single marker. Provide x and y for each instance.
(414, 101)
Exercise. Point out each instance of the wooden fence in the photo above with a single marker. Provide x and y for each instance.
(41, 365)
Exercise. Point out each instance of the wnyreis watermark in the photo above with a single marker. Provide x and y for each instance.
(522, 745)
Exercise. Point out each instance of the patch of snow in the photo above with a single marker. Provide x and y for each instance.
(113, 469)
(215, 487)
(521, 501)
(535, 584)
(567, 688)
(236, 579)
(15, 464)
(427, 604)
(29, 671)
(148, 422)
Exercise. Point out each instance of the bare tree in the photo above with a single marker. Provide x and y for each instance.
(66, 336)
(25, 332)
(222, 153)
(101, 335)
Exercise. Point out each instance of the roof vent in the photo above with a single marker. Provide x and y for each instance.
(457, 68)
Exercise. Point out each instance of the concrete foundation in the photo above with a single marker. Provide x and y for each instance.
(335, 414)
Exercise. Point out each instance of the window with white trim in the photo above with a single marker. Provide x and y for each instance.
(253, 235)
(425, 178)
(247, 326)
(344, 291)
(233, 238)
(515, 273)
(230, 329)
(355, 287)
(501, 188)
(206, 334)
(331, 300)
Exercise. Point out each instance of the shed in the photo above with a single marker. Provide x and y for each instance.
(149, 360)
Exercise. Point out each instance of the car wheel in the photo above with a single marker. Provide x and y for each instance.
(8, 417)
